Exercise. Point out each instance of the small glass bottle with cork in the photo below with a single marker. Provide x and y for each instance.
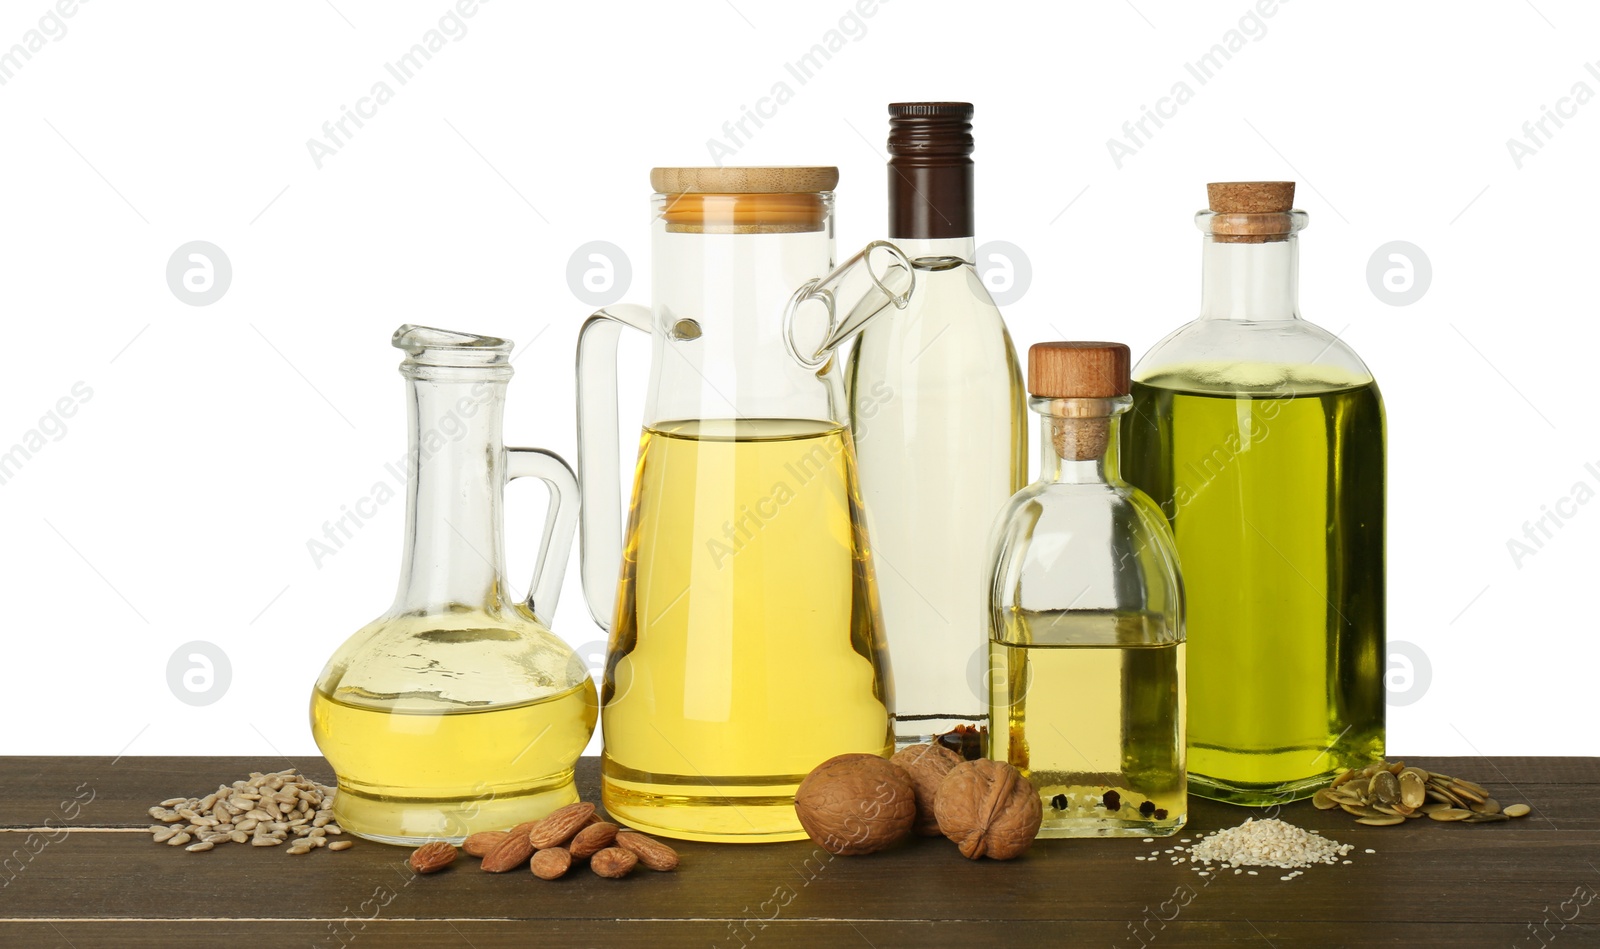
(1086, 638)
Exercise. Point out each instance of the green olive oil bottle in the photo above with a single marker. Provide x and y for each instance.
(1261, 437)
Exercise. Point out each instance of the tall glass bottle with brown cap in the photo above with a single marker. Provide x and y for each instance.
(939, 416)
(1261, 436)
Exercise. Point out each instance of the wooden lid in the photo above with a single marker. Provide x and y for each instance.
(793, 179)
(1250, 212)
(1078, 370)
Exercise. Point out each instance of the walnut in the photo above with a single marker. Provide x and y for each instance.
(856, 804)
(989, 809)
(927, 765)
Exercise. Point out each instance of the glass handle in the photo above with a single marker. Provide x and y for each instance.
(600, 553)
(559, 520)
(857, 290)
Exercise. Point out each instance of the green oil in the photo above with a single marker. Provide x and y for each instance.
(1273, 480)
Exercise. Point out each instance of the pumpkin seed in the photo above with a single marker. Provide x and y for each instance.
(1381, 821)
(1413, 788)
(1517, 810)
(1385, 787)
(1451, 814)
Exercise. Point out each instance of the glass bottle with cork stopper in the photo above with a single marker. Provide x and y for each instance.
(1261, 436)
(1085, 619)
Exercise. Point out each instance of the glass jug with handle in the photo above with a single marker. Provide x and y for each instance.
(745, 642)
(458, 710)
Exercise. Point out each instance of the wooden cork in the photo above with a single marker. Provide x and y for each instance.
(1079, 370)
(777, 200)
(1250, 212)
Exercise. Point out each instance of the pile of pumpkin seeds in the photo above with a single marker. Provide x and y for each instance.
(262, 810)
(1387, 793)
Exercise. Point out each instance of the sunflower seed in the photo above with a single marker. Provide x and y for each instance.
(341, 845)
(261, 810)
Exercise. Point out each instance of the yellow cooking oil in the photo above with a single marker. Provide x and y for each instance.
(1273, 479)
(413, 769)
(747, 646)
(1089, 706)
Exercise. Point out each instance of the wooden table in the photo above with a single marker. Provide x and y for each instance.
(98, 880)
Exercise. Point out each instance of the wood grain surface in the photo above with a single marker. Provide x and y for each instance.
(80, 870)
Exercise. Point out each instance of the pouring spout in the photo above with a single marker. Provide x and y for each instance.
(835, 307)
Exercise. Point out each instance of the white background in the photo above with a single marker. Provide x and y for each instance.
(178, 503)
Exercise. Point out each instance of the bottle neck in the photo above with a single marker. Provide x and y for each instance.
(1079, 450)
(930, 202)
(921, 248)
(455, 471)
(1250, 282)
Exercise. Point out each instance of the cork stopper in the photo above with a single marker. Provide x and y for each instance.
(759, 200)
(1250, 212)
(1078, 370)
(1069, 371)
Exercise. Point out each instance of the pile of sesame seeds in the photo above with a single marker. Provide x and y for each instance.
(1255, 843)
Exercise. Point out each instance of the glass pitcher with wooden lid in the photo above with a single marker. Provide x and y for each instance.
(745, 641)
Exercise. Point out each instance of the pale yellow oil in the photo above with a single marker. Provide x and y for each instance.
(1097, 726)
(747, 646)
(409, 772)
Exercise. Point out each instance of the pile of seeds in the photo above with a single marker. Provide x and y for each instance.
(1255, 843)
(262, 810)
(1384, 794)
(1267, 843)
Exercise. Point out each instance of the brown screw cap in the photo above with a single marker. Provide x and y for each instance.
(1078, 370)
(930, 170)
(1250, 212)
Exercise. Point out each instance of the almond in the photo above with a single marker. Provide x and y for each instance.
(551, 864)
(560, 826)
(509, 854)
(651, 852)
(613, 863)
(479, 844)
(526, 827)
(433, 856)
(593, 839)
